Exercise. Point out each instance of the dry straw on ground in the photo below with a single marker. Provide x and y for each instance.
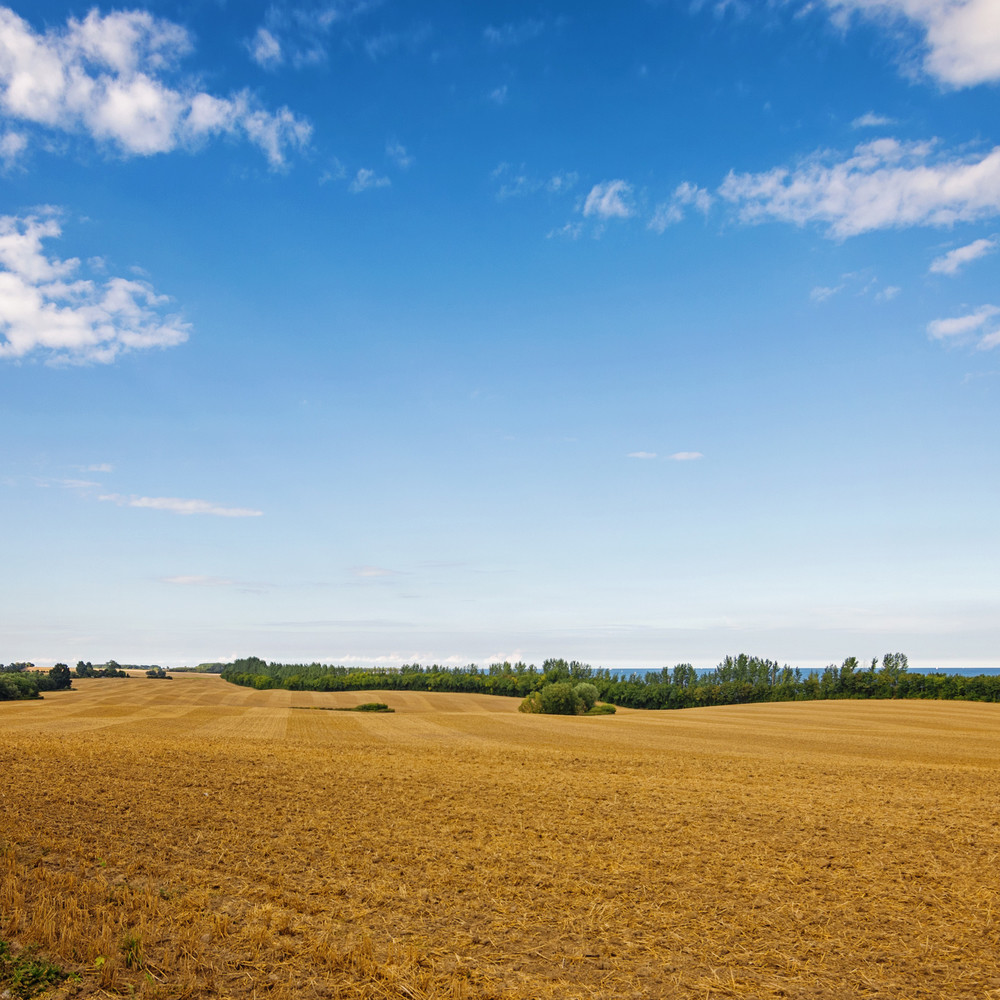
(191, 839)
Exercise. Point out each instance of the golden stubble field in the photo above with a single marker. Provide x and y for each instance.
(188, 838)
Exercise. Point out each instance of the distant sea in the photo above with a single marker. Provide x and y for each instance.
(956, 671)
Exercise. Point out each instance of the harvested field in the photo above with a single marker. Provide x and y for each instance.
(194, 839)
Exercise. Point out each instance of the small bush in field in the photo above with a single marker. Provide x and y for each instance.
(601, 710)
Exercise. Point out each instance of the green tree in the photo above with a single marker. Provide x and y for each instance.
(61, 678)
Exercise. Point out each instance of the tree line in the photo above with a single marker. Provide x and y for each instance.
(19, 681)
(737, 680)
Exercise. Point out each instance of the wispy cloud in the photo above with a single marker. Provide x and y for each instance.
(872, 120)
(823, 292)
(298, 34)
(104, 76)
(366, 180)
(372, 572)
(99, 467)
(265, 49)
(514, 33)
(177, 505)
(954, 260)
(975, 327)
(516, 182)
(642, 454)
(609, 200)
(671, 212)
(46, 307)
(396, 152)
(498, 95)
(961, 37)
(198, 581)
(884, 184)
(685, 456)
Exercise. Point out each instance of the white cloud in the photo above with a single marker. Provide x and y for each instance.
(610, 200)
(571, 231)
(177, 505)
(642, 454)
(872, 120)
(888, 293)
(885, 184)
(99, 467)
(560, 183)
(822, 292)
(12, 145)
(104, 76)
(366, 179)
(954, 260)
(968, 327)
(396, 152)
(45, 307)
(686, 456)
(670, 212)
(265, 49)
(961, 37)
(498, 95)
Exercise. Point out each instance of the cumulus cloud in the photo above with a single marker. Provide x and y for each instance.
(105, 76)
(610, 200)
(961, 37)
(366, 179)
(954, 260)
(46, 307)
(685, 456)
(670, 212)
(178, 505)
(884, 184)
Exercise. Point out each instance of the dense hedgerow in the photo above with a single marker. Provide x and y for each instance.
(736, 680)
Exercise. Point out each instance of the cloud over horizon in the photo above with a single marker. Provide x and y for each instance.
(178, 505)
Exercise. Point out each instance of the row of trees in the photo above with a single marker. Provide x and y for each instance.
(736, 680)
(19, 681)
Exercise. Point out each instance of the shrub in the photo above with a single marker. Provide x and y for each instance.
(532, 704)
(560, 699)
(587, 693)
(601, 710)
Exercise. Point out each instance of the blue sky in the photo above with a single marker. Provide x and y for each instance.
(376, 332)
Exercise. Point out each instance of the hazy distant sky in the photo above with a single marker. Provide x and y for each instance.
(638, 332)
